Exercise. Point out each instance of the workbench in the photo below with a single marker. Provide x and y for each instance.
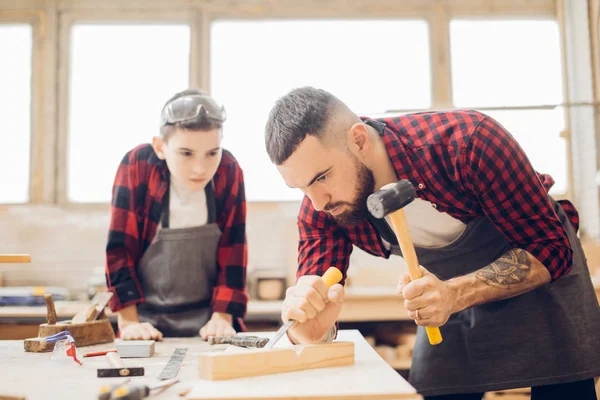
(36, 376)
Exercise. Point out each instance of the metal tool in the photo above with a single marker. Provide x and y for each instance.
(390, 200)
(119, 368)
(241, 341)
(125, 391)
(330, 277)
(170, 370)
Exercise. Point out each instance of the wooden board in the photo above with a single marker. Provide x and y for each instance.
(370, 377)
(255, 362)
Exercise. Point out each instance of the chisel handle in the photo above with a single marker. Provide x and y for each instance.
(410, 256)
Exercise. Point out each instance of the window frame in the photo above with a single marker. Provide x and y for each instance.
(51, 21)
(104, 17)
(37, 20)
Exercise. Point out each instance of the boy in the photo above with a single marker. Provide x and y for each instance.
(177, 250)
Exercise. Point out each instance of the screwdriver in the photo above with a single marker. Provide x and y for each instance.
(330, 277)
(131, 391)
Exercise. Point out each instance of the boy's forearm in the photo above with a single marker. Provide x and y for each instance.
(128, 315)
(514, 273)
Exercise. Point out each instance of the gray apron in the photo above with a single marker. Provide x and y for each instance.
(178, 272)
(549, 335)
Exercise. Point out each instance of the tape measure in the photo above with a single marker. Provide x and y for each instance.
(170, 370)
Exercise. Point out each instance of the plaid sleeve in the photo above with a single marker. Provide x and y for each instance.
(123, 246)
(322, 244)
(229, 295)
(511, 195)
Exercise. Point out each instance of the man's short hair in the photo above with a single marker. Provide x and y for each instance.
(301, 112)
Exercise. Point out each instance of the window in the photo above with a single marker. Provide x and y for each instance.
(514, 63)
(120, 76)
(15, 103)
(373, 66)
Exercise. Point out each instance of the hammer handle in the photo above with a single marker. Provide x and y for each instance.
(114, 360)
(410, 256)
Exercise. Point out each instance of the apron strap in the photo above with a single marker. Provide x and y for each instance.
(382, 227)
(210, 205)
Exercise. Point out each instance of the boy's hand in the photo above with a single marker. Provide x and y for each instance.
(220, 324)
(140, 331)
(131, 328)
(314, 306)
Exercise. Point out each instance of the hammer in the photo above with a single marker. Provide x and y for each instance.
(119, 369)
(390, 200)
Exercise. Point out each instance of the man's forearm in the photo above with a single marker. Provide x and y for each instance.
(514, 273)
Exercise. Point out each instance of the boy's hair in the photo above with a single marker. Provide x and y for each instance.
(202, 124)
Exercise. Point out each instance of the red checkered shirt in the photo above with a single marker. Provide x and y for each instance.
(470, 167)
(140, 185)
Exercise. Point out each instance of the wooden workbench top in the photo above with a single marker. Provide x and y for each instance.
(36, 376)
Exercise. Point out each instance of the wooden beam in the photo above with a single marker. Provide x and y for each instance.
(241, 363)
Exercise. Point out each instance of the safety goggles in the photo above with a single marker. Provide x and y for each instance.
(192, 108)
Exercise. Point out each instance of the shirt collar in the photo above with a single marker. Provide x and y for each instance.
(397, 151)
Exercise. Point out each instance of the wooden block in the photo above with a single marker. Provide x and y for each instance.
(37, 345)
(255, 362)
(135, 348)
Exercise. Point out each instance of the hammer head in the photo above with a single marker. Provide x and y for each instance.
(390, 198)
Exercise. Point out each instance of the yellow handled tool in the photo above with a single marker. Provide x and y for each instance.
(390, 200)
(330, 277)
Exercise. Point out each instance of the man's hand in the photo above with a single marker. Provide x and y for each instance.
(314, 306)
(219, 325)
(429, 301)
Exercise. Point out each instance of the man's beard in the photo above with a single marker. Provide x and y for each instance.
(365, 186)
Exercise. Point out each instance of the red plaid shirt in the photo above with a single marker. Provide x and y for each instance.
(140, 185)
(470, 167)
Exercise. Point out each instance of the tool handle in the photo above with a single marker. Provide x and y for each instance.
(332, 276)
(50, 310)
(15, 258)
(114, 360)
(410, 257)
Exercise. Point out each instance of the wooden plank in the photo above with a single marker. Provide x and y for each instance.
(368, 378)
(239, 364)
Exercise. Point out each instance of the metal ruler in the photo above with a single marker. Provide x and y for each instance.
(170, 370)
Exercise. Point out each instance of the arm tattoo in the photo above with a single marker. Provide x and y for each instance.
(511, 269)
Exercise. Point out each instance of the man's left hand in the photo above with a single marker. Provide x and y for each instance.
(429, 301)
(219, 325)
